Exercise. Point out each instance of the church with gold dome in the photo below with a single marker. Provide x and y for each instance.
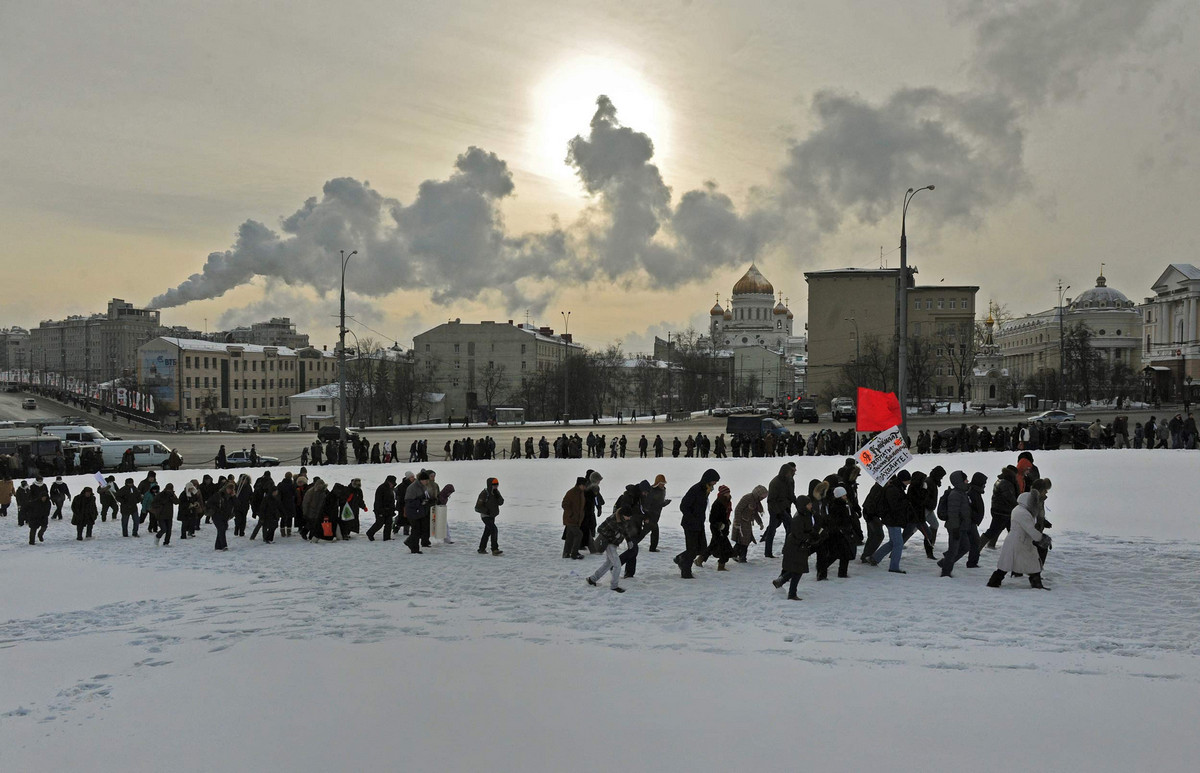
(755, 315)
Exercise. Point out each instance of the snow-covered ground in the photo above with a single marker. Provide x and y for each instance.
(116, 655)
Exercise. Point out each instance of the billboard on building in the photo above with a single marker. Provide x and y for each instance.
(158, 374)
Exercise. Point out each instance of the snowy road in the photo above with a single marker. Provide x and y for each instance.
(132, 655)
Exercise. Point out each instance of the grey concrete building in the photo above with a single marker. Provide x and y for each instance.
(1171, 329)
(99, 347)
(474, 363)
(852, 320)
(14, 349)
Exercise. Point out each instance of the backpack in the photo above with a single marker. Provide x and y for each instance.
(943, 505)
(870, 505)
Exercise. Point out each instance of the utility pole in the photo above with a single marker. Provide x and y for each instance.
(566, 315)
(670, 388)
(902, 300)
(342, 358)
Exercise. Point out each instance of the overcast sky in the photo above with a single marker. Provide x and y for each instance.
(212, 157)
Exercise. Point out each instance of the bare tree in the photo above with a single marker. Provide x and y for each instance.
(493, 383)
(960, 344)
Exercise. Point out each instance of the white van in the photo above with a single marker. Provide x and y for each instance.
(72, 433)
(146, 453)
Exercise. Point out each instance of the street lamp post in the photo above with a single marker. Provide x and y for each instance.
(342, 358)
(1062, 350)
(566, 315)
(902, 300)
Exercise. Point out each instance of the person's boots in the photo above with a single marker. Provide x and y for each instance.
(767, 548)
(793, 597)
(1035, 581)
(929, 550)
(996, 578)
(721, 566)
(699, 560)
(777, 582)
(843, 572)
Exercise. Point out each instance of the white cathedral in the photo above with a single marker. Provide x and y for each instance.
(755, 316)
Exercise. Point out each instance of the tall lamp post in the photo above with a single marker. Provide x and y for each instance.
(902, 299)
(857, 349)
(342, 359)
(1062, 351)
(566, 315)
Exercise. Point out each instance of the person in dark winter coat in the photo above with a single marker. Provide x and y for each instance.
(958, 520)
(720, 519)
(108, 500)
(162, 509)
(191, 510)
(694, 507)
(83, 513)
(796, 547)
(933, 485)
(312, 508)
(1004, 499)
(573, 505)
(401, 520)
(611, 533)
(352, 496)
(128, 500)
(416, 508)
(872, 514)
(487, 504)
(220, 507)
(245, 492)
(837, 535)
(287, 504)
(978, 509)
(385, 509)
(59, 494)
(38, 510)
(270, 511)
(593, 509)
(781, 493)
(631, 501)
(896, 514)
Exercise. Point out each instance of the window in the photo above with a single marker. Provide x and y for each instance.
(187, 362)
(964, 303)
(235, 402)
(917, 305)
(206, 382)
(522, 348)
(928, 303)
(953, 303)
(470, 348)
(457, 365)
(187, 402)
(522, 364)
(254, 403)
(272, 383)
(272, 402)
(205, 362)
(941, 303)
(254, 385)
(427, 347)
(188, 381)
(254, 365)
(235, 365)
(456, 348)
(321, 408)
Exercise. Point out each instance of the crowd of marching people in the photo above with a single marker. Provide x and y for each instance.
(825, 521)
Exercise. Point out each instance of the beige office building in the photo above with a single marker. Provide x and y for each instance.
(457, 358)
(850, 310)
(198, 379)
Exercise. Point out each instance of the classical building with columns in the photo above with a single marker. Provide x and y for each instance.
(1171, 349)
(1031, 347)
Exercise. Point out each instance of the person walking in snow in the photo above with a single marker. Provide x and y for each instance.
(610, 534)
(653, 502)
(83, 513)
(385, 509)
(487, 504)
(957, 512)
(1019, 553)
(219, 508)
(694, 508)
(720, 518)
(59, 494)
(573, 505)
(162, 509)
(797, 547)
(781, 493)
(748, 512)
(838, 529)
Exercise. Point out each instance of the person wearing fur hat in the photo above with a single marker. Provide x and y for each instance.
(839, 526)
(83, 513)
(797, 546)
(573, 504)
(745, 515)
(694, 507)
(719, 521)
(487, 504)
(593, 509)
(1019, 553)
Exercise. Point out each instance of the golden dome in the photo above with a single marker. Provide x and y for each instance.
(728, 314)
(753, 283)
(716, 311)
(780, 309)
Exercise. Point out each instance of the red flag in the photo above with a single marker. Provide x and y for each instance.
(876, 411)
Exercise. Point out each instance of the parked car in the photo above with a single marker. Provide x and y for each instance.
(806, 410)
(12, 388)
(842, 409)
(242, 459)
(1074, 433)
(29, 404)
(1053, 417)
(291, 428)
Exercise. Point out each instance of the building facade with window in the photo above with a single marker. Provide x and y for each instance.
(851, 311)
(471, 362)
(197, 379)
(14, 349)
(1031, 348)
(95, 348)
(1171, 332)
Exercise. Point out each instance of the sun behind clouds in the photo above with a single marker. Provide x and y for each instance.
(564, 101)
